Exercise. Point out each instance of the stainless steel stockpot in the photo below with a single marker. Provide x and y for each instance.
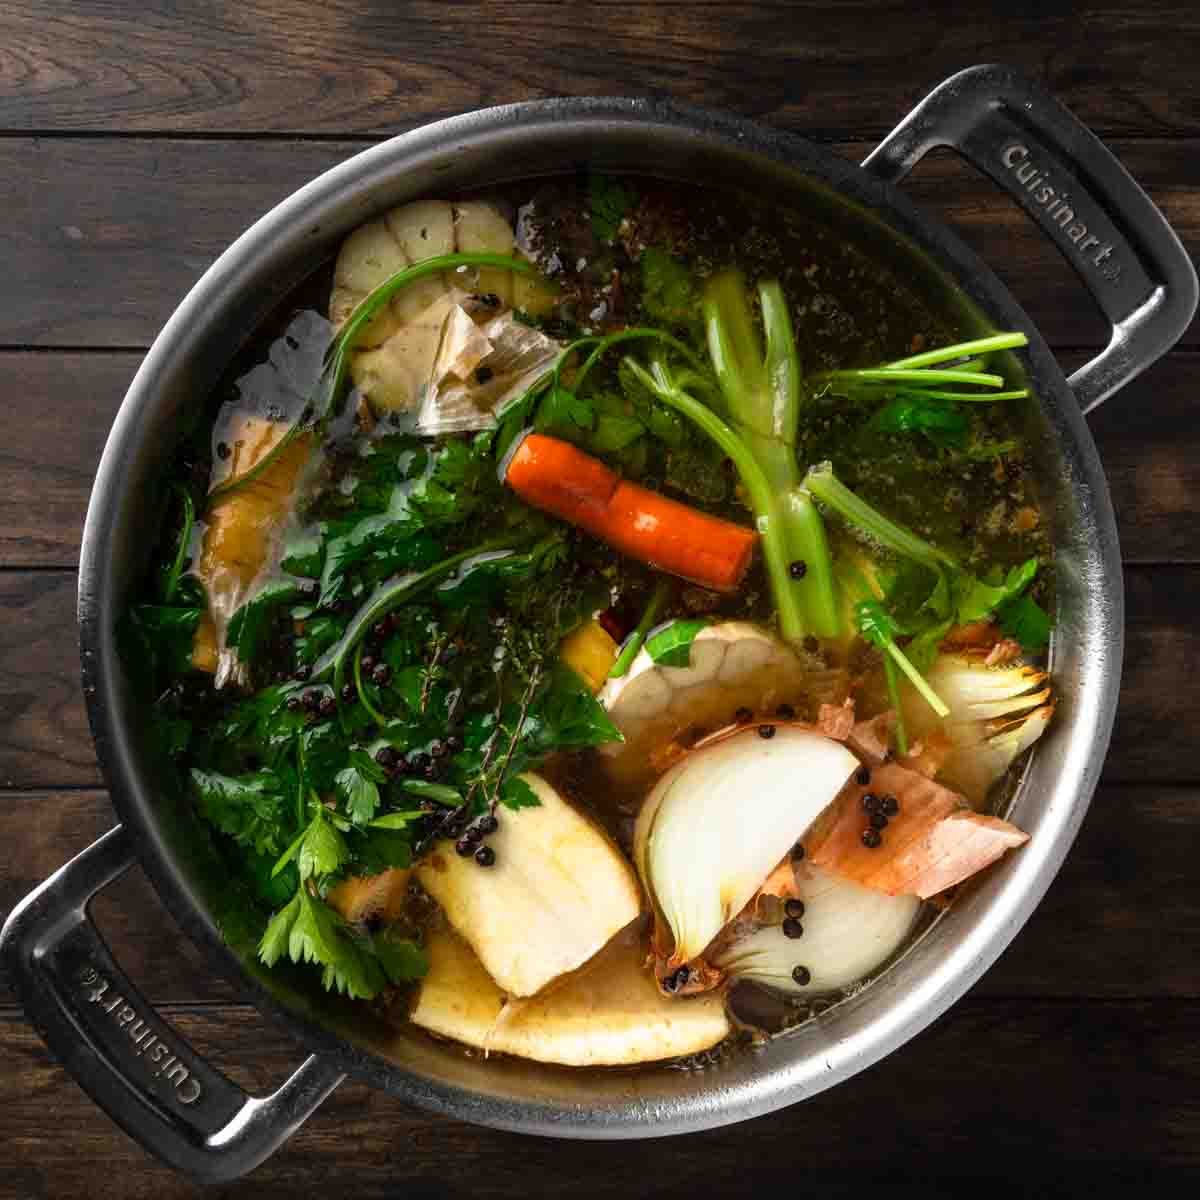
(155, 1085)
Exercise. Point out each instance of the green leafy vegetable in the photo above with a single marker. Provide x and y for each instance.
(358, 786)
(667, 291)
(1025, 620)
(671, 646)
(610, 200)
(251, 626)
(249, 808)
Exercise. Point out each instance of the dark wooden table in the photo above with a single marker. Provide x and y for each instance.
(137, 139)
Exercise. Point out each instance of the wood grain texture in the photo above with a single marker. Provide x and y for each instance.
(44, 739)
(108, 236)
(1110, 927)
(1073, 1096)
(62, 404)
(342, 67)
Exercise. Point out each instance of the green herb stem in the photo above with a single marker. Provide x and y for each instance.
(634, 643)
(980, 346)
(830, 490)
(917, 680)
(893, 691)
(372, 711)
(174, 573)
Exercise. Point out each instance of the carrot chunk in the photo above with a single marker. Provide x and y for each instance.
(554, 476)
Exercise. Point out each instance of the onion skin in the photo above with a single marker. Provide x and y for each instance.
(715, 826)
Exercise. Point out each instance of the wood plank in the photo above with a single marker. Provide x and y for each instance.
(1108, 928)
(108, 235)
(830, 67)
(62, 405)
(44, 741)
(1054, 1099)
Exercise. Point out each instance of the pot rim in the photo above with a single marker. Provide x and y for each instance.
(1031, 872)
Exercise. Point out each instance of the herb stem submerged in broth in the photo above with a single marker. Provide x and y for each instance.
(380, 648)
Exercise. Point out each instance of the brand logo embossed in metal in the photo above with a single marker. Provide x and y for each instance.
(1057, 203)
(160, 1059)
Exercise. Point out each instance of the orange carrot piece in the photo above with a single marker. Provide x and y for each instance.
(554, 476)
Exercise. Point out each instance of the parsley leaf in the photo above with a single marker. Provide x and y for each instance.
(609, 200)
(358, 786)
(249, 808)
(667, 292)
(671, 646)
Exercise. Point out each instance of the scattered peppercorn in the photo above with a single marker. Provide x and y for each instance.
(870, 802)
(223, 450)
(802, 975)
(419, 762)
(792, 928)
(862, 776)
(742, 716)
(785, 712)
(794, 908)
(380, 630)
(488, 823)
(465, 846)
(312, 701)
(798, 569)
(367, 663)
(797, 852)
(293, 703)
(438, 749)
(889, 806)
(454, 743)
(766, 731)
(347, 693)
(878, 820)
(327, 706)
(485, 856)
(483, 374)
(871, 838)
(302, 672)
(386, 757)
(430, 772)
(382, 675)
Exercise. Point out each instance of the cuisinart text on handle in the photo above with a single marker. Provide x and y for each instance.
(161, 1060)
(1018, 158)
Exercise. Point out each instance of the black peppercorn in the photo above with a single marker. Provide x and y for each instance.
(312, 701)
(878, 820)
(485, 856)
(386, 757)
(785, 712)
(454, 743)
(367, 664)
(488, 823)
(802, 975)
(382, 675)
(792, 928)
(466, 845)
(889, 806)
(742, 716)
(293, 703)
(794, 908)
(223, 450)
(438, 749)
(380, 630)
(798, 569)
(871, 838)
(347, 693)
(797, 852)
(862, 776)
(870, 802)
(302, 672)
(766, 731)
(430, 772)
(327, 707)
(483, 374)
(419, 762)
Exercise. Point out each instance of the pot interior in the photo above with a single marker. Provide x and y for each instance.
(260, 272)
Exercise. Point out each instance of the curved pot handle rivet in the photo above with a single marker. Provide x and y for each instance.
(1089, 206)
(138, 1069)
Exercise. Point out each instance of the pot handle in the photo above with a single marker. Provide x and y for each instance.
(1089, 206)
(142, 1073)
